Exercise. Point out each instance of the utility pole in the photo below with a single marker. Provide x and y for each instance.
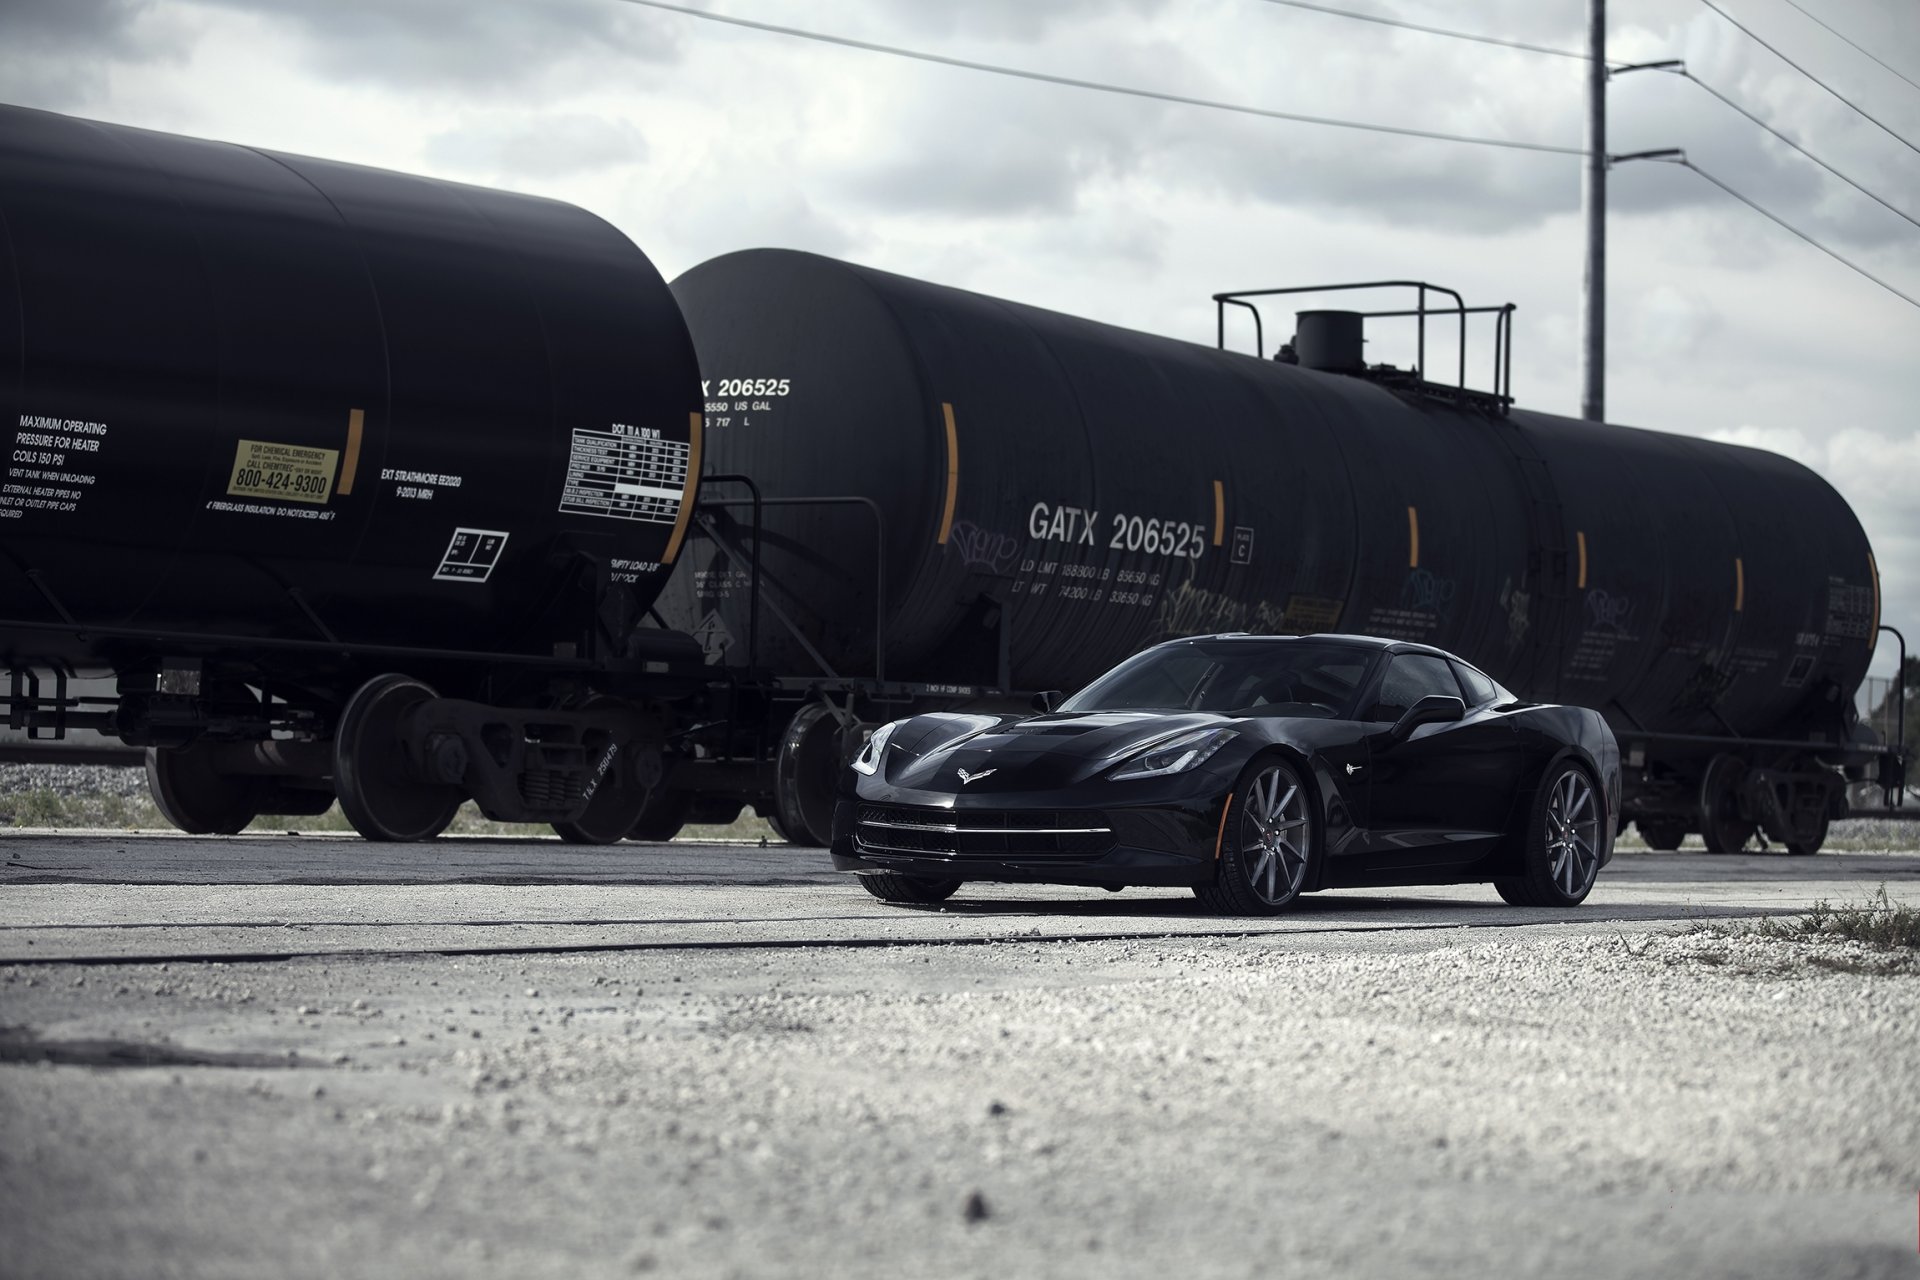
(1593, 194)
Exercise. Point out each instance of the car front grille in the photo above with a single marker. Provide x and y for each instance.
(1062, 835)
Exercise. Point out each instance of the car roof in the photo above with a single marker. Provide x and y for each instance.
(1358, 641)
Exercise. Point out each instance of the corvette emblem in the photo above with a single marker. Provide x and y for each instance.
(1353, 769)
(966, 777)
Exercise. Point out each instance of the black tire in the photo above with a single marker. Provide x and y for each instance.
(1272, 837)
(196, 799)
(1664, 835)
(895, 886)
(1559, 857)
(371, 774)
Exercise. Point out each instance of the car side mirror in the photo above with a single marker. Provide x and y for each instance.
(1043, 701)
(1435, 708)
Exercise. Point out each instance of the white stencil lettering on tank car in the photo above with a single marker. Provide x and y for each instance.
(471, 555)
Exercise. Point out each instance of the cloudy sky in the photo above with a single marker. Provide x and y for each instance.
(698, 138)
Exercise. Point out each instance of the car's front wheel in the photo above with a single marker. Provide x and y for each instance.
(894, 886)
(1560, 851)
(1268, 844)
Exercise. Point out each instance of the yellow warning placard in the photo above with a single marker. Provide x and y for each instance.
(289, 472)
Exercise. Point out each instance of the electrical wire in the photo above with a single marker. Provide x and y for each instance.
(1858, 110)
(1781, 222)
(1097, 86)
(1437, 31)
(1685, 74)
(1841, 35)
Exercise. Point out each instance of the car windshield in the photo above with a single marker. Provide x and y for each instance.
(1280, 677)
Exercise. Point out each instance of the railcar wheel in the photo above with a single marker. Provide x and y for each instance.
(195, 798)
(806, 772)
(1809, 836)
(772, 816)
(1265, 857)
(1561, 853)
(372, 774)
(895, 886)
(1721, 826)
(1665, 836)
(662, 816)
(617, 800)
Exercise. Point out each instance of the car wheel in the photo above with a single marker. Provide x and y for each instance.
(1560, 853)
(1664, 836)
(894, 886)
(1270, 836)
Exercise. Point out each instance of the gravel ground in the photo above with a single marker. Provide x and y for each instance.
(1702, 1104)
(73, 779)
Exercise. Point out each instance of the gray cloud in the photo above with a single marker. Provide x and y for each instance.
(1013, 20)
(549, 146)
(57, 53)
(471, 44)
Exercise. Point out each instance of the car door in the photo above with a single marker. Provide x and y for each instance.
(1440, 797)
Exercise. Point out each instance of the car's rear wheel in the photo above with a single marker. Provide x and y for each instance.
(896, 886)
(1268, 846)
(1560, 854)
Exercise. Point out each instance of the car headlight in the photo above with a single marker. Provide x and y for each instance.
(868, 761)
(1176, 755)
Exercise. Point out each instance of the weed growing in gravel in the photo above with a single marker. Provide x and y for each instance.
(1878, 922)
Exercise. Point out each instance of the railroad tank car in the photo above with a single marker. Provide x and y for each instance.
(278, 426)
(1055, 493)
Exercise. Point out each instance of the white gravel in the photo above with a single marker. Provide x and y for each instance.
(1620, 1105)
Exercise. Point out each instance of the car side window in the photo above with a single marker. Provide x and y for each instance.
(1411, 677)
(1480, 690)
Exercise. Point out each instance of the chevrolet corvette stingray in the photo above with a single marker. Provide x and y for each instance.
(1252, 769)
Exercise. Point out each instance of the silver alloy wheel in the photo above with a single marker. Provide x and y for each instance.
(1573, 834)
(1275, 837)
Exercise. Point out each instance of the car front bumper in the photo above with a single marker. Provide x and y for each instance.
(1167, 837)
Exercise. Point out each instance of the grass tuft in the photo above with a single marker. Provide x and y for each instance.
(1877, 922)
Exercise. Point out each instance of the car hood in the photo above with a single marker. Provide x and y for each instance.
(1043, 753)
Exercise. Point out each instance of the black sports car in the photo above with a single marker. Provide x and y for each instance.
(1252, 768)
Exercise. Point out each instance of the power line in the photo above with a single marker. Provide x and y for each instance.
(1435, 31)
(1809, 75)
(1779, 221)
(1840, 35)
(1685, 74)
(1101, 87)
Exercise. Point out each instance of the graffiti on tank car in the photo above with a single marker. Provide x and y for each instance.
(1426, 593)
(1189, 610)
(1609, 613)
(983, 548)
(1516, 602)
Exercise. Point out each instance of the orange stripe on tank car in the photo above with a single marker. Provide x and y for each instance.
(1739, 585)
(350, 460)
(1580, 536)
(1219, 512)
(1221, 839)
(1413, 537)
(695, 433)
(1873, 571)
(953, 474)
